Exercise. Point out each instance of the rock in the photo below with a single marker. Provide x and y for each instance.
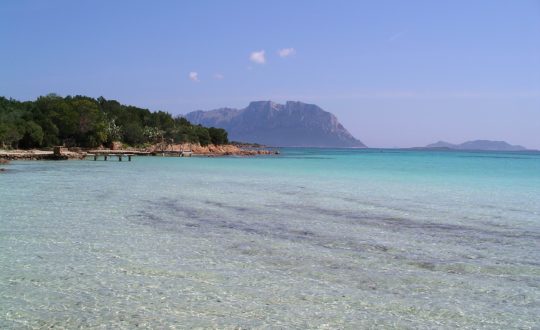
(116, 145)
(211, 150)
(61, 154)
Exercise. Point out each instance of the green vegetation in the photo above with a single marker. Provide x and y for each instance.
(80, 121)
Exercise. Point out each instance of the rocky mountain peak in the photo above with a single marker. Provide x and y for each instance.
(291, 124)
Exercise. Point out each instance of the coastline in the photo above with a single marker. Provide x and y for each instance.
(36, 154)
(212, 150)
(155, 150)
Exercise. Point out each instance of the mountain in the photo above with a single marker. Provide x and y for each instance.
(442, 144)
(291, 124)
(478, 145)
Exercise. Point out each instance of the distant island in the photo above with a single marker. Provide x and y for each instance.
(293, 124)
(482, 145)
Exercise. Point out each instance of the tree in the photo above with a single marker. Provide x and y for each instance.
(91, 124)
(218, 135)
(133, 134)
(9, 135)
(114, 132)
(83, 121)
(32, 136)
(202, 135)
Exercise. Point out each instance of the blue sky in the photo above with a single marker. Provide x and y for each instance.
(396, 73)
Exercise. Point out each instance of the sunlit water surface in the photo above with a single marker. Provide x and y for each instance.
(313, 238)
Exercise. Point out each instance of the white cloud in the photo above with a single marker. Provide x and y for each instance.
(218, 76)
(285, 52)
(194, 76)
(258, 57)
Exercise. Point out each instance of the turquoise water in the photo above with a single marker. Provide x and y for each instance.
(313, 238)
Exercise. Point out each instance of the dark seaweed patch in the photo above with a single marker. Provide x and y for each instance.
(205, 221)
(181, 217)
(398, 224)
(230, 207)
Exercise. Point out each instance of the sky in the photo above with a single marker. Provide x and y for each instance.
(395, 73)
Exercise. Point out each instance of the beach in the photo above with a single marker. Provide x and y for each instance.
(311, 238)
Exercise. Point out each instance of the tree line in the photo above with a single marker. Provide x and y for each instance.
(81, 121)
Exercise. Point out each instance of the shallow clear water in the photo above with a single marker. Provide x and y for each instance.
(314, 238)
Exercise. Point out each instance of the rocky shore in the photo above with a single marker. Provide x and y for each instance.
(35, 154)
(214, 150)
(155, 150)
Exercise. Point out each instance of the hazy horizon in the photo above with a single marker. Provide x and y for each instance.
(395, 74)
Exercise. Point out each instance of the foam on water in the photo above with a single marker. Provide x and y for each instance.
(313, 238)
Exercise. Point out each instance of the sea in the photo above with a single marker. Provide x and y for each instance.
(307, 239)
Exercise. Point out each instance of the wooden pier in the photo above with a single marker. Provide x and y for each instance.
(106, 156)
(120, 154)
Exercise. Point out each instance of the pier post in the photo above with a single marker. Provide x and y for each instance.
(104, 157)
(95, 157)
(129, 158)
(119, 158)
(57, 151)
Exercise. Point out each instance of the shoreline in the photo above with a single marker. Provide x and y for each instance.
(80, 154)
